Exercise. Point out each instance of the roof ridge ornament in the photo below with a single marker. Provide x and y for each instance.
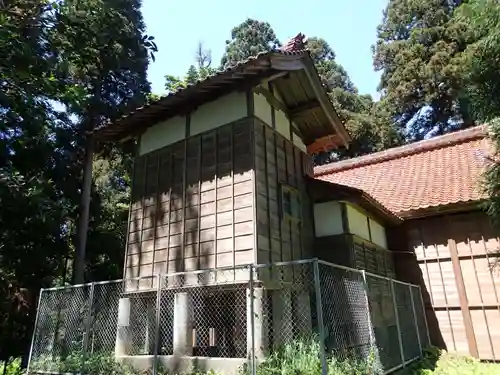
(297, 43)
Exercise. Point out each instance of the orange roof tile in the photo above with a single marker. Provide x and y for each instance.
(431, 173)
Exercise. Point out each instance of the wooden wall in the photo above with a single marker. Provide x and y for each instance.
(277, 162)
(192, 204)
(456, 262)
(352, 251)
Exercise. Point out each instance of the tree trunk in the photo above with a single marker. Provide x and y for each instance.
(83, 220)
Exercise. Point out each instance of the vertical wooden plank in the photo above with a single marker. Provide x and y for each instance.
(481, 299)
(157, 205)
(251, 119)
(142, 212)
(464, 307)
(130, 212)
(170, 183)
(278, 192)
(184, 195)
(231, 146)
(198, 245)
(481, 230)
(216, 198)
(273, 113)
(266, 161)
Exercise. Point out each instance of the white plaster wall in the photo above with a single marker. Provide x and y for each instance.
(297, 141)
(262, 109)
(327, 219)
(224, 110)
(282, 123)
(163, 134)
(358, 223)
(209, 116)
(378, 234)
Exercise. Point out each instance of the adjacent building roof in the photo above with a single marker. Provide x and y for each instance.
(442, 171)
(293, 74)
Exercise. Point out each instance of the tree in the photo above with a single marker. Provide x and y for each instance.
(33, 241)
(195, 73)
(480, 59)
(421, 80)
(111, 69)
(248, 39)
(370, 132)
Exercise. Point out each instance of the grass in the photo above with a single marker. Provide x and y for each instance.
(438, 362)
(297, 358)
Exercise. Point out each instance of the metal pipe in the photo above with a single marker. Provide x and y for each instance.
(425, 315)
(252, 321)
(415, 320)
(157, 325)
(34, 331)
(319, 311)
(88, 325)
(400, 339)
(365, 286)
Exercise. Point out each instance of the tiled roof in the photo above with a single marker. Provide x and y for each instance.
(432, 173)
(207, 87)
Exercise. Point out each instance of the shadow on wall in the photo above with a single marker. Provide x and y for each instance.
(179, 195)
(408, 269)
(175, 200)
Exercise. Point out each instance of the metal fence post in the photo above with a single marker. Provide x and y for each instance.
(34, 331)
(400, 339)
(425, 315)
(88, 325)
(319, 311)
(365, 286)
(157, 325)
(415, 319)
(252, 321)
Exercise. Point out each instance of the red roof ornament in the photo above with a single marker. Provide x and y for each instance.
(296, 43)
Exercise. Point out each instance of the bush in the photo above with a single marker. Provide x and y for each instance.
(302, 357)
(75, 363)
(14, 367)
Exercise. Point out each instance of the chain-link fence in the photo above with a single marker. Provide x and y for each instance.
(250, 319)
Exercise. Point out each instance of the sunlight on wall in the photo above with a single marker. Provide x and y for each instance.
(163, 134)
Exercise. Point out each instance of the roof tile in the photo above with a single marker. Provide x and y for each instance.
(436, 172)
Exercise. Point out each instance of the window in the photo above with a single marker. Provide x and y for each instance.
(290, 204)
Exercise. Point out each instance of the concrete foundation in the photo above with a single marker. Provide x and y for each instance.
(303, 318)
(183, 325)
(282, 317)
(123, 339)
(185, 364)
(258, 330)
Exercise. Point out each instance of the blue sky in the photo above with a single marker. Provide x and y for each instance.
(349, 26)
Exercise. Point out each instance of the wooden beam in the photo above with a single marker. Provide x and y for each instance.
(304, 107)
(326, 143)
(462, 297)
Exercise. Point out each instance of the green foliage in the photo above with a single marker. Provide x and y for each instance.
(491, 179)
(249, 39)
(65, 67)
(76, 363)
(438, 362)
(303, 357)
(369, 129)
(480, 60)
(416, 51)
(194, 74)
(14, 367)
